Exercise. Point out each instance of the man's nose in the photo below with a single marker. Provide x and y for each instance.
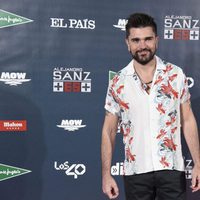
(142, 44)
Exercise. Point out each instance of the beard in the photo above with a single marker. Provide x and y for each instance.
(144, 56)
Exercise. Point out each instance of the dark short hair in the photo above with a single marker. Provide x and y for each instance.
(140, 20)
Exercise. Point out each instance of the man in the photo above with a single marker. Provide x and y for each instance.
(151, 101)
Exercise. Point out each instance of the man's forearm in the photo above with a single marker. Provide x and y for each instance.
(109, 185)
(106, 154)
(108, 141)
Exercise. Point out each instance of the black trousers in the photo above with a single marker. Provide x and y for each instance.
(158, 185)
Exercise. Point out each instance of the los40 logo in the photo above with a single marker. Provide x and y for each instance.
(71, 170)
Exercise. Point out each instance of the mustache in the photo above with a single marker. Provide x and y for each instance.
(140, 51)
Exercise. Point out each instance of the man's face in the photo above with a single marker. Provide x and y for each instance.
(142, 44)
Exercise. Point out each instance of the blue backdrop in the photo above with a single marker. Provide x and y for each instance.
(55, 58)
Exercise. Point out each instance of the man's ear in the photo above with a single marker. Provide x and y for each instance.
(157, 39)
(127, 43)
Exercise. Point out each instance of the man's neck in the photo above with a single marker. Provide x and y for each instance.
(147, 68)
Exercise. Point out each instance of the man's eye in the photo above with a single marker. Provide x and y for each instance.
(149, 39)
(135, 40)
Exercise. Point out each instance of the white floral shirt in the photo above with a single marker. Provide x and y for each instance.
(150, 123)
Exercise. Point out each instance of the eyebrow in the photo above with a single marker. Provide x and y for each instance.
(138, 39)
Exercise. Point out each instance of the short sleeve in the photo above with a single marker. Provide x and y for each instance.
(111, 104)
(185, 94)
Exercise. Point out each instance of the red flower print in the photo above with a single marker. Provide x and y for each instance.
(122, 104)
(130, 156)
(130, 140)
(161, 134)
(126, 131)
(126, 128)
(173, 130)
(158, 80)
(168, 68)
(114, 81)
(160, 108)
(173, 119)
(171, 78)
(120, 89)
(164, 162)
(170, 144)
(168, 90)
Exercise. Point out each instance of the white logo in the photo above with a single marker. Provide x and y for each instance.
(181, 28)
(73, 170)
(121, 24)
(190, 82)
(13, 78)
(188, 169)
(10, 19)
(117, 169)
(71, 80)
(72, 23)
(119, 128)
(71, 125)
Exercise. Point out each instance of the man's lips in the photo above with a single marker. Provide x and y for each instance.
(143, 53)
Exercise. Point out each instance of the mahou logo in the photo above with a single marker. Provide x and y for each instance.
(181, 28)
(13, 78)
(71, 80)
(13, 125)
(71, 125)
(121, 24)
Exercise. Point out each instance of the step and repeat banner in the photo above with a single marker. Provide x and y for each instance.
(55, 60)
